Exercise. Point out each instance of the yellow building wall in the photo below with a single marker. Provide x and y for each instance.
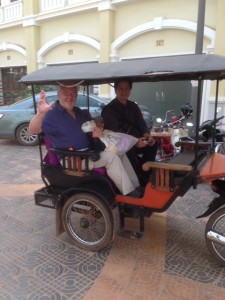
(220, 43)
(11, 58)
(147, 44)
(86, 24)
(13, 35)
(134, 14)
(70, 52)
(105, 26)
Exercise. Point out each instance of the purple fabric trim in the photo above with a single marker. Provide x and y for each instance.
(52, 159)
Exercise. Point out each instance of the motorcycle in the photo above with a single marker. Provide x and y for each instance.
(177, 131)
(207, 128)
(166, 149)
(216, 223)
(208, 132)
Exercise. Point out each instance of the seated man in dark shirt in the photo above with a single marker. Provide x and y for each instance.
(61, 123)
(123, 115)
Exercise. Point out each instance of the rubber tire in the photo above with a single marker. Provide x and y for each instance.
(102, 214)
(23, 136)
(214, 248)
(220, 148)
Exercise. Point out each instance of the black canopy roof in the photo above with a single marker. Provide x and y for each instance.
(180, 67)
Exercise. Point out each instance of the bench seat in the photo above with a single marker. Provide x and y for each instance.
(168, 175)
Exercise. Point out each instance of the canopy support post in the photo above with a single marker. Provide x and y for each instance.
(198, 111)
(215, 113)
(39, 135)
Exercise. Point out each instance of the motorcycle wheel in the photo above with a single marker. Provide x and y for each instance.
(88, 221)
(220, 148)
(215, 235)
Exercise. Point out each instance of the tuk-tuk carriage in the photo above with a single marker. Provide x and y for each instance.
(87, 206)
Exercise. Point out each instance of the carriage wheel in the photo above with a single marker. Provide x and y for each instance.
(88, 221)
(215, 235)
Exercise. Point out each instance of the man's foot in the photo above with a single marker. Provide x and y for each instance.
(137, 193)
(141, 189)
(143, 180)
(144, 177)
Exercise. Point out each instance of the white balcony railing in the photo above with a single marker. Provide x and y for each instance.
(14, 11)
(1, 15)
(75, 1)
(11, 12)
(47, 5)
(52, 4)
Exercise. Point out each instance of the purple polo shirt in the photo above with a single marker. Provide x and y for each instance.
(63, 130)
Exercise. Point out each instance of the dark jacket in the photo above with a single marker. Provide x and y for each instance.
(123, 118)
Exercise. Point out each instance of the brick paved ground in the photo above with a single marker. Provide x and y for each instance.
(170, 262)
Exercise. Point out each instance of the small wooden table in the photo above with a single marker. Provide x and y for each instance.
(160, 134)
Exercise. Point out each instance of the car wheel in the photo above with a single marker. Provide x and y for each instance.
(24, 137)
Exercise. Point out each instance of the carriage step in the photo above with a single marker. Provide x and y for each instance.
(47, 198)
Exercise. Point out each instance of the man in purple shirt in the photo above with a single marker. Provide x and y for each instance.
(61, 123)
(64, 130)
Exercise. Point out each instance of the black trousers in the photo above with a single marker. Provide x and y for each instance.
(138, 156)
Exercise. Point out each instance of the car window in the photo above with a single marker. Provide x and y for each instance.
(81, 100)
(51, 98)
(32, 105)
(94, 102)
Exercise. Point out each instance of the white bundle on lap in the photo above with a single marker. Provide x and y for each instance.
(116, 142)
